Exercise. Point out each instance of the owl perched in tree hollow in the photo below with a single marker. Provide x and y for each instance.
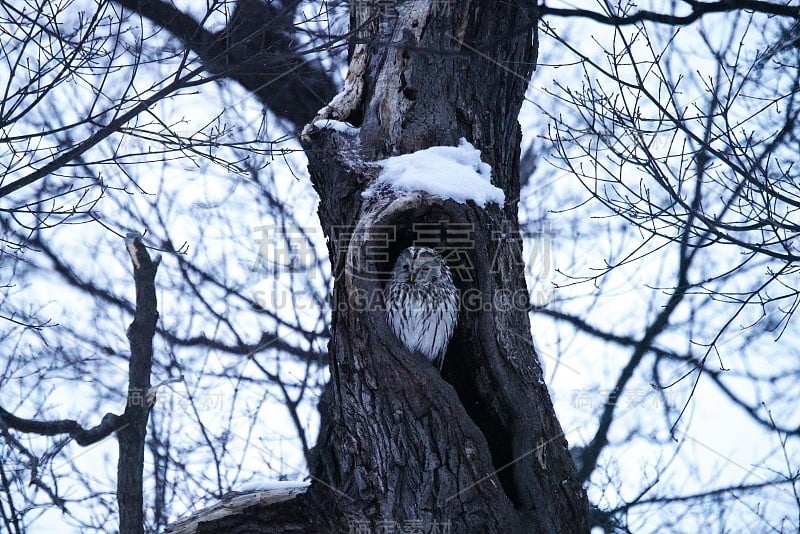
(422, 302)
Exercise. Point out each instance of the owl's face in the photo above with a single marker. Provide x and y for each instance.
(418, 265)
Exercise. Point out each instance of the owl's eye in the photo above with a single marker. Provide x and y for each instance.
(405, 267)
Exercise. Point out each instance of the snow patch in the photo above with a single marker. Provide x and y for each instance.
(265, 484)
(449, 172)
(339, 126)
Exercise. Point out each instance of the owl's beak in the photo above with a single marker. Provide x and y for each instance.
(410, 278)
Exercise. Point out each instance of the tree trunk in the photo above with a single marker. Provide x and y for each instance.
(477, 448)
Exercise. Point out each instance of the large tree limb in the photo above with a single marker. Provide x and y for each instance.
(257, 49)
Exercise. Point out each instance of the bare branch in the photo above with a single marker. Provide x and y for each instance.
(82, 436)
(698, 10)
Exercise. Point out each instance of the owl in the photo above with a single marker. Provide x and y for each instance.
(422, 302)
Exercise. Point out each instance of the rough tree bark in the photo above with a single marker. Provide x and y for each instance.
(478, 449)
